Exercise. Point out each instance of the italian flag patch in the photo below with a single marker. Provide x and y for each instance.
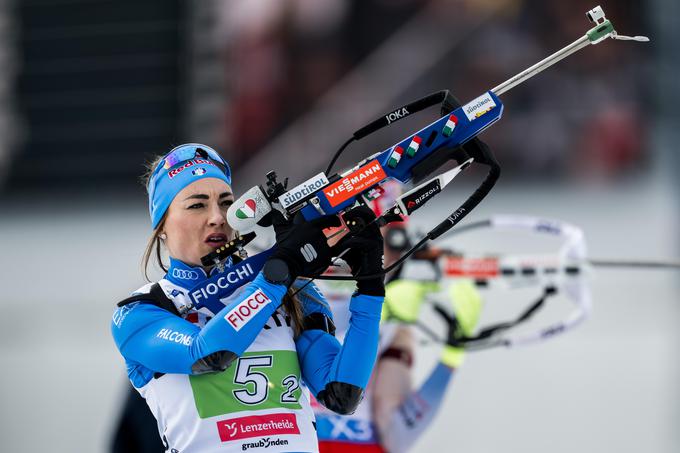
(413, 147)
(395, 157)
(247, 211)
(450, 125)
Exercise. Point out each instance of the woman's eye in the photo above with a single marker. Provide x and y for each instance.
(196, 206)
(227, 203)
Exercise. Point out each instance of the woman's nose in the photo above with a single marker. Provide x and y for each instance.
(217, 216)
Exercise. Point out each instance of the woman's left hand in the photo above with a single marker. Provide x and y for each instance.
(365, 254)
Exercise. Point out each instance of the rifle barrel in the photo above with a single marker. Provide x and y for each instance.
(541, 65)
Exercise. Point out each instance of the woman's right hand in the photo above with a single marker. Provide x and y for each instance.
(302, 248)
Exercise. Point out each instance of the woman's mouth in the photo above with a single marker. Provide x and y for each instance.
(216, 240)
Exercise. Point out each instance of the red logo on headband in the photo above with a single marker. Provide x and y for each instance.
(188, 164)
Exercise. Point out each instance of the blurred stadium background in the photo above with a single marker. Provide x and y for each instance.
(91, 89)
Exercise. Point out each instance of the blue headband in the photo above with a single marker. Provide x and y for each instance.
(179, 168)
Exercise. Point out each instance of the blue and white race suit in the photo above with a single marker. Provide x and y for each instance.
(261, 400)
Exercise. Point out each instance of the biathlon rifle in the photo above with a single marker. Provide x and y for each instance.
(414, 158)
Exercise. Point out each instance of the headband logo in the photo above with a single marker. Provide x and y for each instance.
(188, 164)
(198, 172)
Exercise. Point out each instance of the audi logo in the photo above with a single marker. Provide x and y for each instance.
(185, 274)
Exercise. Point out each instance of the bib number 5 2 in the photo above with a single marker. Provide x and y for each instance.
(256, 382)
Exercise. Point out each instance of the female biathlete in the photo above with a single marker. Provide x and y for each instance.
(393, 415)
(239, 379)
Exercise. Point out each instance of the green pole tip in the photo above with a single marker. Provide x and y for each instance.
(600, 32)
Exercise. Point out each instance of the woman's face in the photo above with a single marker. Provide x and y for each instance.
(196, 221)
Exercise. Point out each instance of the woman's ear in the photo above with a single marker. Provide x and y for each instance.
(162, 236)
